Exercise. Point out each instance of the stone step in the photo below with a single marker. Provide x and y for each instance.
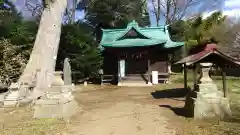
(134, 84)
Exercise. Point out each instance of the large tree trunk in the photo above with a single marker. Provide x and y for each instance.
(44, 54)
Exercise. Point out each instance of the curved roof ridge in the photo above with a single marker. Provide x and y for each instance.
(132, 25)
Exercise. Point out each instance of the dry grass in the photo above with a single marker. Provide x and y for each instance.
(20, 122)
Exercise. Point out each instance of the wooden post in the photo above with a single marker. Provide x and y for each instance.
(101, 79)
(225, 90)
(119, 72)
(185, 75)
(194, 75)
(149, 70)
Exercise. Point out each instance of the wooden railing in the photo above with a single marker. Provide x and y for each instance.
(109, 79)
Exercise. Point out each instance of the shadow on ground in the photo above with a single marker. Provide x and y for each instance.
(176, 100)
(170, 93)
(179, 111)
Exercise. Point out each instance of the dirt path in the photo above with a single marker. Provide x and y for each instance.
(121, 111)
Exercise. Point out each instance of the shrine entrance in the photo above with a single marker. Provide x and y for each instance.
(134, 52)
(137, 63)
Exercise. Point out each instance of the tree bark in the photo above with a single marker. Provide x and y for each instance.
(44, 53)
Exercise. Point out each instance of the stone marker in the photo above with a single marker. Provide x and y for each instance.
(67, 74)
(206, 101)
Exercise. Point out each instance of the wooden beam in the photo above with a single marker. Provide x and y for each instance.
(185, 75)
(149, 70)
(225, 89)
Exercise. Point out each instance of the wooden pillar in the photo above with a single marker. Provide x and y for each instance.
(185, 75)
(100, 72)
(194, 75)
(101, 79)
(119, 72)
(149, 71)
(225, 90)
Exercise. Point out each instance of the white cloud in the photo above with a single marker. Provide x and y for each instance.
(232, 3)
(231, 9)
(232, 13)
(207, 14)
(229, 13)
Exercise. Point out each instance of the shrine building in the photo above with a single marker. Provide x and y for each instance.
(131, 54)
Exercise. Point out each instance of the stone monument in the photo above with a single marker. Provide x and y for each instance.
(205, 101)
(57, 101)
(67, 74)
(18, 93)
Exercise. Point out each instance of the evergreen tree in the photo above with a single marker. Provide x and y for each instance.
(198, 31)
(78, 44)
(116, 13)
(16, 41)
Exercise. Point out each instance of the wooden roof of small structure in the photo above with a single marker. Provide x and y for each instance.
(209, 53)
(135, 36)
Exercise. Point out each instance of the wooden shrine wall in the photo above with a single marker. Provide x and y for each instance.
(136, 60)
(159, 60)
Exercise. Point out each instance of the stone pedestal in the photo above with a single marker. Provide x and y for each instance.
(57, 101)
(17, 95)
(12, 96)
(57, 79)
(55, 105)
(205, 101)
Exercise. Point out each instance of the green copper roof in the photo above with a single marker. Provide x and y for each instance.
(148, 36)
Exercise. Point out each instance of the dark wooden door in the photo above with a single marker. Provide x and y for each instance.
(136, 64)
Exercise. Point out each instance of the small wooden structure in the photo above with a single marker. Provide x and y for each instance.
(211, 54)
(131, 54)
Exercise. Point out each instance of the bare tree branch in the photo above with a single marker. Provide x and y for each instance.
(156, 10)
(173, 10)
(35, 7)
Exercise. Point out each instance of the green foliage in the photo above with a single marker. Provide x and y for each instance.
(202, 30)
(178, 30)
(116, 13)
(9, 17)
(77, 44)
(13, 59)
(16, 29)
(23, 32)
(198, 31)
(16, 39)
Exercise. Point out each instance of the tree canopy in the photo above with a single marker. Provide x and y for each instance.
(198, 30)
(16, 39)
(78, 44)
(116, 13)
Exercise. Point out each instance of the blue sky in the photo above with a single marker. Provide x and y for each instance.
(229, 7)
